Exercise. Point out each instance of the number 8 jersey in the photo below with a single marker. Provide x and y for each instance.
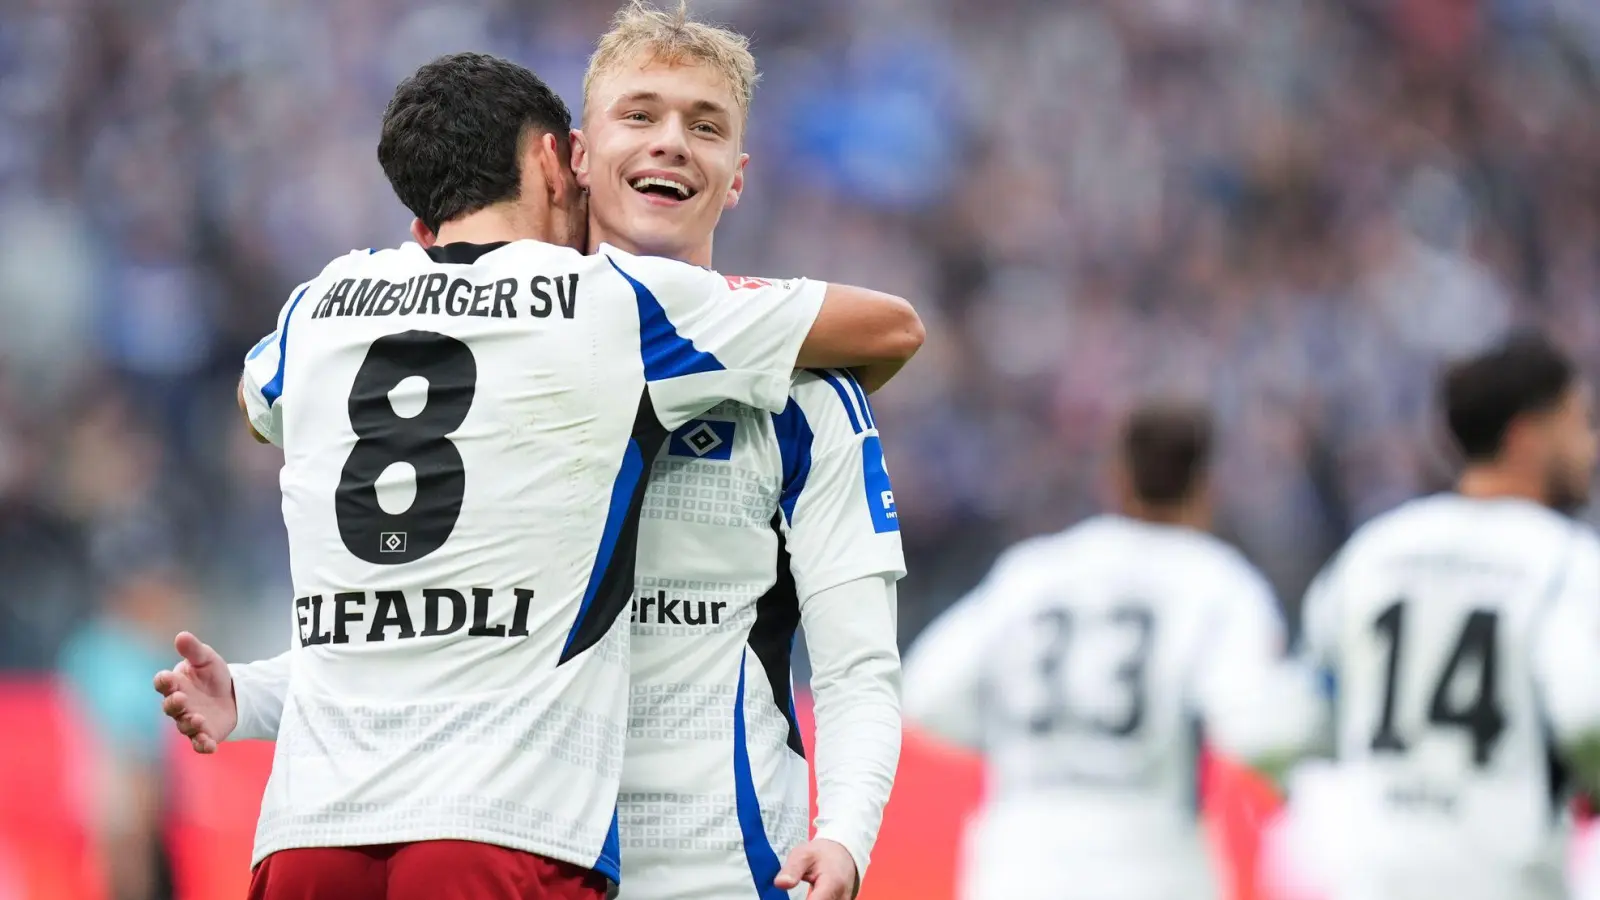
(1460, 641)
(466, 432)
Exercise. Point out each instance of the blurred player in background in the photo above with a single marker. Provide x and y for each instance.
(1460, 637)
(752, 524)
(1084, 668)
(527, 388)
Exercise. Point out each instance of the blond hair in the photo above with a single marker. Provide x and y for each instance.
(675, 39)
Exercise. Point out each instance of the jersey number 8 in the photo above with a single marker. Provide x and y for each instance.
(384, 438)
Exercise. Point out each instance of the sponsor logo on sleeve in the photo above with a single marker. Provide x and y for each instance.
(880, 494)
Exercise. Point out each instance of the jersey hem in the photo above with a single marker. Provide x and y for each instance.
(611, 868)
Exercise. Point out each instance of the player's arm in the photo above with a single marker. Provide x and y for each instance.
(1566, 661)
(943, 679)
(1318, 653)
(1259, 706)
(861, 327)
(211, 701)
(261, 384)
(260, 690)
(855, 683)
(842, 530)
(706, 338)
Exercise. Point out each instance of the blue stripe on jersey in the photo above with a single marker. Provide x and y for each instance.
(273, 389)
(611, 580)
(794, 449)
(844, 397)
(260, 347)
(609, 862)
(758, 852)
(880, 493)
(666, 353)
(861, 397)
(622, 492)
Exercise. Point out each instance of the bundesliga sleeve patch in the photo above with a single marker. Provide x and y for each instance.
(742, 282)
(703, 439)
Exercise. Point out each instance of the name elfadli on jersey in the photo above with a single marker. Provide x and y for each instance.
(376, 616)
(439, 294)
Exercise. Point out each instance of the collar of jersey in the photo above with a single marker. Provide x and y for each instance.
(461, 252)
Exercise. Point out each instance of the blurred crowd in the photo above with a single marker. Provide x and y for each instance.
(1295, 208)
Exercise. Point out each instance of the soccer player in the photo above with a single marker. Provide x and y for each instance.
(1460, 638)
(466, 431)
(713, 749)
(1084, 667)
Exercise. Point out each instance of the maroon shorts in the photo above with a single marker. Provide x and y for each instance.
(424, 870)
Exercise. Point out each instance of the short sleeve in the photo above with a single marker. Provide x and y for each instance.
(837, 509)
(1319, 623)
(1245, 642)
(705, 337)
(1566, 650)
(942, 682)
(1257, 704)
(262, 382)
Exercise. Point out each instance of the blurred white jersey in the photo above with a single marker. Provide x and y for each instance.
(1459, 641)
(466, 432)
(749, 515)
(1084, 667)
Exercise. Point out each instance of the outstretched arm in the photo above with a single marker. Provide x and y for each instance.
(211, 701)
(943, 672)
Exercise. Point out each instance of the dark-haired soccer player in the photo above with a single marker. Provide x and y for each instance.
(1083, 666)
(1460, 637)
(466, 430)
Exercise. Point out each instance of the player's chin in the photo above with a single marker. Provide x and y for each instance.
(661, 236)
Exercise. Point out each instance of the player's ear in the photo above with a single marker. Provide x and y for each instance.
(580, 158)
(422, 235)
(737, 188)
(556, 173)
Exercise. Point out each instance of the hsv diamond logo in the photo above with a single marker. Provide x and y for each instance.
(392, 542)
(703, 439)
(742, 282)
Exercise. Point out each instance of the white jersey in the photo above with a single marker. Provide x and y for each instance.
(749, 517)
(1084, 667)
(751, 522)
(1459, 639)
(466, 432)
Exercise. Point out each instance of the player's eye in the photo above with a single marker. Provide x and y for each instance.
(707, 128)
(635, 116)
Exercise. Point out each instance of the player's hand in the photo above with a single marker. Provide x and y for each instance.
(199, 694)
(826, 865)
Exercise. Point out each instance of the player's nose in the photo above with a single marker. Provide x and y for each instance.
(669, 143)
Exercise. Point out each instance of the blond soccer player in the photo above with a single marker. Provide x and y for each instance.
(753, 524)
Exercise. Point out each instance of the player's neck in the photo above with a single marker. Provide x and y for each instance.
(1495, 483)
(698, 256)
(495, 224)
(1193, 515)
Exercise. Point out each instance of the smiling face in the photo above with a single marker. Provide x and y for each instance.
(660, 156)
